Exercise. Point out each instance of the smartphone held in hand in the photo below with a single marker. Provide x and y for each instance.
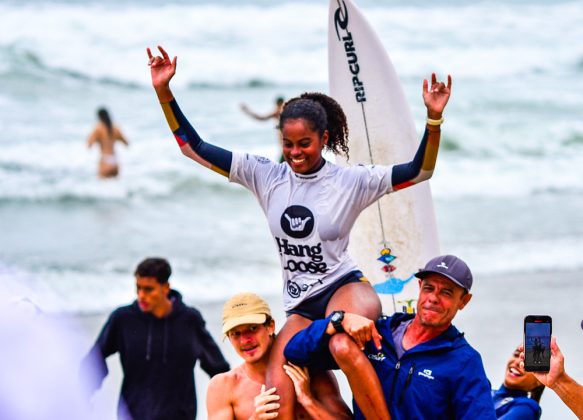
(537, 343)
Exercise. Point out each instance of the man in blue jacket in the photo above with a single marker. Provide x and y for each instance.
(159, 340)
(425, 366)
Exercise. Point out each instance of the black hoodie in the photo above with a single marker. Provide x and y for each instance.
(158, 356)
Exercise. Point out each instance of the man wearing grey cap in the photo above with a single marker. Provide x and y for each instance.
(426, 367)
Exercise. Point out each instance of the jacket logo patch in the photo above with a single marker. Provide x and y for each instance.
(426, 373)
(379, 357)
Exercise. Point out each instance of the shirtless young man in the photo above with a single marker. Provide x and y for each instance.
(106, 134)
(241, 394)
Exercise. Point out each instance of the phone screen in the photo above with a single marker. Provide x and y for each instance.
(537, 343)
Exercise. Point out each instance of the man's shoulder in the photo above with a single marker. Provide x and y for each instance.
(226, 381)
(122, 315)
(192, 313)
(233, 392)
(221, 381)
(451, 345)
(220, 392)
(465, 356)
(462, 346)
(124, 311)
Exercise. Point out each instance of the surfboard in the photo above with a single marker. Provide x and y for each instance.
(393, 238)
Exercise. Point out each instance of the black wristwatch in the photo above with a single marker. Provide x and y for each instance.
(336, 319)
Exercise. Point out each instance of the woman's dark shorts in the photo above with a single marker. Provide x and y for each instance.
(315, 307)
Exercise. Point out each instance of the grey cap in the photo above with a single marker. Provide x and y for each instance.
(451, 267)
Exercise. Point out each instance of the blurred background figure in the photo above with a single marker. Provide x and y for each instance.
(106, 134)
(519, 395)
(279, 102)
(38, 357)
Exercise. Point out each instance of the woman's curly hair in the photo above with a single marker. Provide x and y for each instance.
(321, 113)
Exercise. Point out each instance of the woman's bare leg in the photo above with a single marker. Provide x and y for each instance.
(276, 376)
(361, 299)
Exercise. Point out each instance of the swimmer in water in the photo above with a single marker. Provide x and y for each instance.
(279, 102)
(106, 134)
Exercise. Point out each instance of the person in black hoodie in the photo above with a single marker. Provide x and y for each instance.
(159, 340)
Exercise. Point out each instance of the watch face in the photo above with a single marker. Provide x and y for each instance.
(336, 316)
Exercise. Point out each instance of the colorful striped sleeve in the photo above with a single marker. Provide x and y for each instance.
(215, 158)
(421, 167)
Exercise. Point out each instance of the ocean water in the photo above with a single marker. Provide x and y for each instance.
(508, 186)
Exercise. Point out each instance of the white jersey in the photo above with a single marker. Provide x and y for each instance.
(310, 216)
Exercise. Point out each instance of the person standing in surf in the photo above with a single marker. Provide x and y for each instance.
(279, 101)
(311, 206)
(106, 134)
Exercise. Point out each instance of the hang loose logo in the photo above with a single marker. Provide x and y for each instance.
(297, 222)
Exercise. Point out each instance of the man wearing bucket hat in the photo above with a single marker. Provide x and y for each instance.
(241, 394)
(425, 366)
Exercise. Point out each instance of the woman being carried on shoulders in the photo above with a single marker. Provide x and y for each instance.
(311, 206)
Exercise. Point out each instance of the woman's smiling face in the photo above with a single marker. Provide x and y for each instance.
(302, 146)
(516, 377)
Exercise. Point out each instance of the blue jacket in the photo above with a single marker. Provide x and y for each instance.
(158, 356)
(512, 404)
(442, 378)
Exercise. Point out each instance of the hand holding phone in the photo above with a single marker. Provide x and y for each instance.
(537, 343)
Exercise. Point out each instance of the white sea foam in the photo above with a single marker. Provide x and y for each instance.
(512, 149)
(284, 43)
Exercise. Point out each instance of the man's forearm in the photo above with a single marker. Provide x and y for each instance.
(571, 393)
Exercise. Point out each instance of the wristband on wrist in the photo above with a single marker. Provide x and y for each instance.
(434, 122)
